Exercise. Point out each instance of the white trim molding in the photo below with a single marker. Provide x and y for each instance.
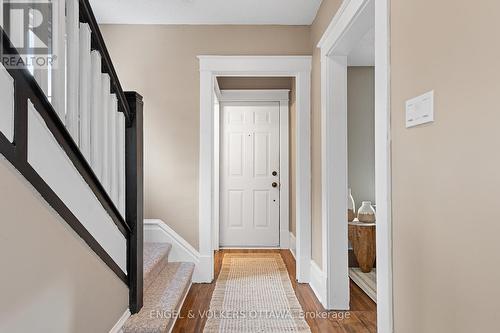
(328, 34)
(157, 231)
(298, 67)
(352, 21)
(117, 328)
(383, 185)
(282, 97)
(216, 204)
(334, 181)
(318, 282)
(255, 65)
(271, 95)
(292, 244)
(349, 25)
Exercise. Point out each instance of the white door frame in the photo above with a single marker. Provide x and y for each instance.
(352, 21)
(298, 67)
(280, 96)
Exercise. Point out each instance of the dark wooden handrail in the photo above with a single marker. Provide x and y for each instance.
(97, 43)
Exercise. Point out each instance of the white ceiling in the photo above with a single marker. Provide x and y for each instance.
(283, 12)
(363, 54)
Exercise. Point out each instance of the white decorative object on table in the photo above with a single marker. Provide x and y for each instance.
(366, 213)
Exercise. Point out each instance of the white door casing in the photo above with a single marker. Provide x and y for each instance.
(250, 155)
(298, 67)
(352, 21)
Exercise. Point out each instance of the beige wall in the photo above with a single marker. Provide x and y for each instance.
(163, 67)
(236, 82)
(361, 132)
(446, 179)
(274, 83)
(444, 232)
(165, 70)
(51, 281)
(325, 14)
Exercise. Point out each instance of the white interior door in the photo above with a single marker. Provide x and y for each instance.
(249, 177)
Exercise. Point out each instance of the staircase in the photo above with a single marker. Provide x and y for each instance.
(77, 137)
(165, 287)
(71, 131)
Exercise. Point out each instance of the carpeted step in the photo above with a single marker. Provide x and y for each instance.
(162, 300)
(155, 259)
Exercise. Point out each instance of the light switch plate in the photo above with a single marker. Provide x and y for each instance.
(420, 110)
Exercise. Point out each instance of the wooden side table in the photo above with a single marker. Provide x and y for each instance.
(363, 240)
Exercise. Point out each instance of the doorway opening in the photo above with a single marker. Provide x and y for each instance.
(236, 68)
(361, 165)
(350, 28)
(254, 158)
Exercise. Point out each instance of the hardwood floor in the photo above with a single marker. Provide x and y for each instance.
(362, 318)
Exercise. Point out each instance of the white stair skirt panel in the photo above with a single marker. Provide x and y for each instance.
(120, 151)
(50, 161)
(7, 109)
(84, 93)
(117, 328)
(104, 131)
(95, 110)
(157, 231)
(113, 160)
(73, 68)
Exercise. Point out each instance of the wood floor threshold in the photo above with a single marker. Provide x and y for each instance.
(362, 318)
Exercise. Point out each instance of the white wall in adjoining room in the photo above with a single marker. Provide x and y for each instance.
(361, 132)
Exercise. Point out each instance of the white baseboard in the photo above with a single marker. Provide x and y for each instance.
(293, 244)
(157, 231)
(318, 283)
(318, 277)
(205, 270)
(119, 324)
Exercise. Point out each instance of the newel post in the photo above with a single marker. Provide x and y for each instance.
(134, 198)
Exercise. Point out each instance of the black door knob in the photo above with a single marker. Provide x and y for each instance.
(274, 184)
